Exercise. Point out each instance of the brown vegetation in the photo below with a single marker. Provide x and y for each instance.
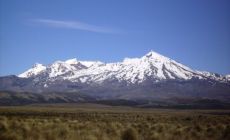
(25, 123)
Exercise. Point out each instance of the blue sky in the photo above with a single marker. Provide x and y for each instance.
(193, 32)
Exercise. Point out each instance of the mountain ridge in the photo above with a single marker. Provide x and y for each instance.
(150, 64)
(151, 78)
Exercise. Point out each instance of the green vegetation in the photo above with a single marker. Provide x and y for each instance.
(97, 122)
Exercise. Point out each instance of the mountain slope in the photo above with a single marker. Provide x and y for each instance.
(131, 70)
(151, 77)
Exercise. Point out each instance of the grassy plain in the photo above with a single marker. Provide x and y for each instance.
(101, 122)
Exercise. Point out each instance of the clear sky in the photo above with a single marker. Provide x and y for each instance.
(193, 32)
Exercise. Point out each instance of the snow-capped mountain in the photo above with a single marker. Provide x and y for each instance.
(35, 70)
(131, 70)
(228, 77)
(152, 77)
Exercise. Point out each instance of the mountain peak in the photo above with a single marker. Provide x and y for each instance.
(71, 61)
(155, 56)
(152, 53)
(36, 69)
(133, 70)
(37, 65)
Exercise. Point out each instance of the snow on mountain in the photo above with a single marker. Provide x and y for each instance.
(71, 61)
(213, 76)
(228, 77)
(59, 68)
(91, 63)
(35, 70)
(132, 70)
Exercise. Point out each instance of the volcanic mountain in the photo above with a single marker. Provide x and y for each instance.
(152, 77)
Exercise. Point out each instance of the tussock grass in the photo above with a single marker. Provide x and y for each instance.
(44, 124)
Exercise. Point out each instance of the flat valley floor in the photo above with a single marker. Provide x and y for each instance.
(101, 122)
